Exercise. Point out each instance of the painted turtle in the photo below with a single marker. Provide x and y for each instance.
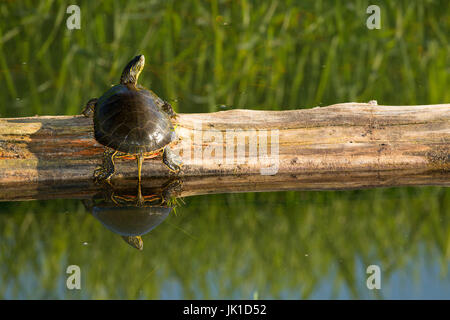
(132, 216)
(131, 222)
(131, 120)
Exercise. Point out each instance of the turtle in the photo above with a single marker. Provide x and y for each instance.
(130, 120)
(132, 216)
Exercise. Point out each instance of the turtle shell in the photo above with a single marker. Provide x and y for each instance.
(130, 221)
(129, 120)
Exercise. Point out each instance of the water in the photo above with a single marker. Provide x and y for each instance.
(206, 56)
(278, 245)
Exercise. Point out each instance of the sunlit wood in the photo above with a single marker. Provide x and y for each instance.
(351, 145)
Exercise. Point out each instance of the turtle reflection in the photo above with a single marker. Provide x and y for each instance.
(133, 215)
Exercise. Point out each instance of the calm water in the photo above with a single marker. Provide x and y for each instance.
(274, 245)
(206, 56)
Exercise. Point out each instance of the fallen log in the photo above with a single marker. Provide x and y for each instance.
(343, 146)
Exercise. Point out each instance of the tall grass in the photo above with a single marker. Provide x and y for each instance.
(239, 54)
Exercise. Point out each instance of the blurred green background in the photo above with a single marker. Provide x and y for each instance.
(206, 56)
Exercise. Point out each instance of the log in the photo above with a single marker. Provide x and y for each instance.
(342, 146)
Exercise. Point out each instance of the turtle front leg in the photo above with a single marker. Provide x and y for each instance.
(170, 192)
(167, 108)
(106, 170)
(88, 110)
(172, 160)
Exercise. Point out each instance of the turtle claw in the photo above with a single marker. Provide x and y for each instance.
(174, 168)
(102, 176)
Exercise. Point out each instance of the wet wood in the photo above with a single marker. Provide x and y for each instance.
(343, 146)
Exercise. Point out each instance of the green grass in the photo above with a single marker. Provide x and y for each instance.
(202, 55)
(241, 54)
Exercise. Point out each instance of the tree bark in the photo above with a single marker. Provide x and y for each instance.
(343, 146)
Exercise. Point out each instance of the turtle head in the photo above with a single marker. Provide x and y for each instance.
(134, 241)
(132, 71)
